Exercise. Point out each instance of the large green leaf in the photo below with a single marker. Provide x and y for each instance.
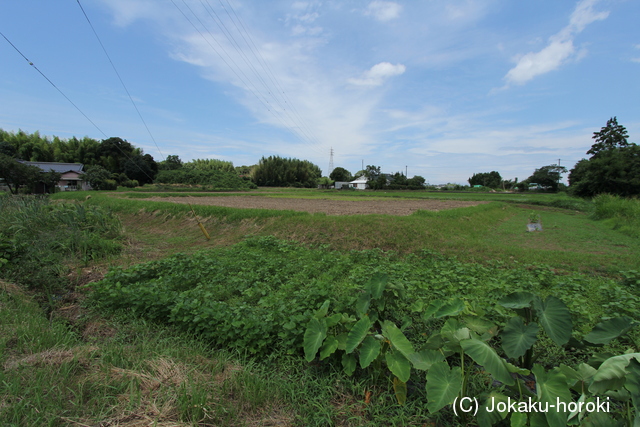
(480, 326)
(398, 365)
(552, 387)
(487, 357)
(400, 389)
(432, 308)
(443, 385)
(323, 310)
(452, 332)
(313, 337)
(517, 337)
(599, 419)
(518, 419)
(611, 374)
(369, 351)
(329, 347)
(451, 308)
(348, 363)
(486, 418)
(376, 285)
(633, 385)
(555, 318)
(605, 331)
(334, 320)
(516, 300)
(362, 304)
(425, 358)
(357, 333)
(397, 338)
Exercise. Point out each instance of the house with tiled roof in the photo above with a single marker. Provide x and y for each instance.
(70, 174)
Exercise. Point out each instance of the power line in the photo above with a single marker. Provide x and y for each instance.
(295, 128)
(53, 84)
(265, 65)
(72, 103)
(299, 130)
(120, 78)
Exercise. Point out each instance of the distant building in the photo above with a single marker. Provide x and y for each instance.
(360, 183)
(70, 174)
(338, 185)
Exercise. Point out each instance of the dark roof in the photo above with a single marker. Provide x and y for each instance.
(57, 167)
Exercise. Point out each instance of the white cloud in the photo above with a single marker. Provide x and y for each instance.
(584, 15)
(126, 12)
(383, 10)
(636, 59)
(535, 63)
(560, 48)
(378, 74)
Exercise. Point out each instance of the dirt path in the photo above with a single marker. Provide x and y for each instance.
(330, 207)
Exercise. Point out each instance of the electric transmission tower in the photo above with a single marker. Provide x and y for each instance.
(330, 162)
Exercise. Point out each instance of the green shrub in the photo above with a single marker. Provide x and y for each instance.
(622, 213)
(213, 179)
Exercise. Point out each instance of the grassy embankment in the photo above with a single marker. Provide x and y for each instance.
(571, 239)
(83, 368)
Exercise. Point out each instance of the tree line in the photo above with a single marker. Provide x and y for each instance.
(614, 167)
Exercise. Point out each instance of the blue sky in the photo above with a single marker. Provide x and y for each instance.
(442, 89)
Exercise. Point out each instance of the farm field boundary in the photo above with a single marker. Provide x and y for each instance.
(490, 231)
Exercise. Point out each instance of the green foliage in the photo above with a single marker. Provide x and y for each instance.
(614, 166)
(141, 168)
(520, 333)
(99, 178)
(487, 179)
(548, 177)
(114, 154)
(610, 137)
(38, 240)
(210, 165)
(325, 182)
(341, 174)
(171, 162)
(210, 178)
(16, 174)
(275, 171)
(621, 213)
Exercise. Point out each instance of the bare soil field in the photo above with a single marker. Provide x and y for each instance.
(330, 207)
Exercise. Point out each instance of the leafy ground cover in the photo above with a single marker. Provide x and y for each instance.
(132, 358)
(257, 295)
(261, 296)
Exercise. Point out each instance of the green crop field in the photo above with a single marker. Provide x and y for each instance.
(295, 318)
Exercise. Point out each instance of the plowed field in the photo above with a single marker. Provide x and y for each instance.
(329, 207)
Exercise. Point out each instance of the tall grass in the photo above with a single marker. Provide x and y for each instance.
(622, 214)
(39, 240)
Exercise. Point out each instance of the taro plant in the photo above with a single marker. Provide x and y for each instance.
(608, 379)
(371, 341)
(463, 338)
(521, 332)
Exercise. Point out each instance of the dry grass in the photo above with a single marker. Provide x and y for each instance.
(53, 357)
(10, 288)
